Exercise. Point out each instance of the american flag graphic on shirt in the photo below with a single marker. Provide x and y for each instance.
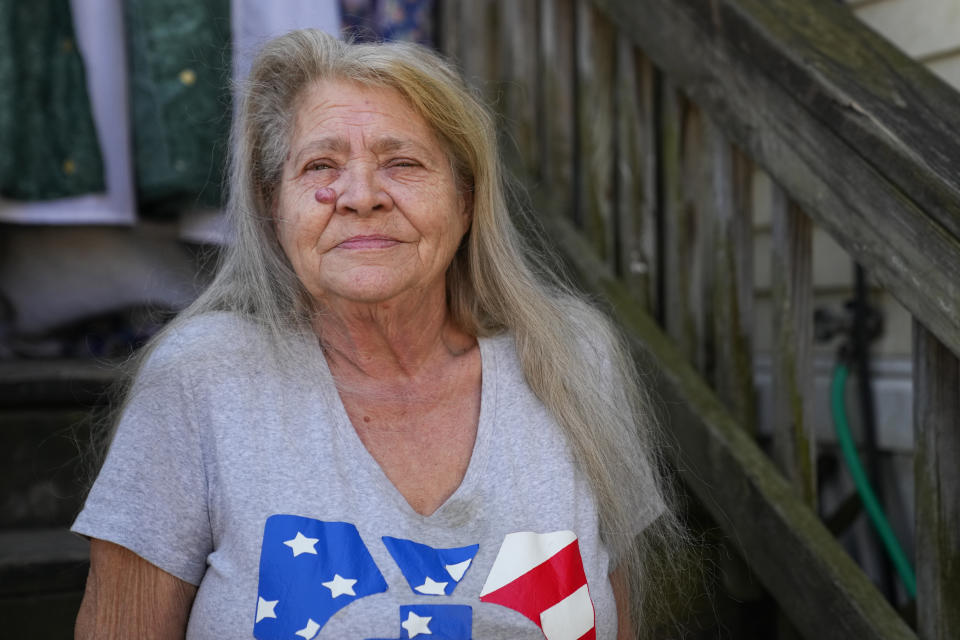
(311, 569)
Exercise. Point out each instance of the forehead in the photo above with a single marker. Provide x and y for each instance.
(337, 112)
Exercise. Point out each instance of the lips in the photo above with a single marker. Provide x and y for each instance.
(368, 242)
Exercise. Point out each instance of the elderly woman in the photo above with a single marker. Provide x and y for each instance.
(380, 420)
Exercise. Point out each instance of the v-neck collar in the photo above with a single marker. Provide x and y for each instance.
(448, 514)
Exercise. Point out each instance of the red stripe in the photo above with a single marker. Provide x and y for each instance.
(589, 635)
(543, 586)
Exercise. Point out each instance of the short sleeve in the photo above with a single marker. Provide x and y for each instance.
(151, 494)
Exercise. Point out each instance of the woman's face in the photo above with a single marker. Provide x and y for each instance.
(368, 209)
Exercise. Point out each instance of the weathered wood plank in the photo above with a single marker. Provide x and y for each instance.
(814, 580)
(892, 216)
(733, 280)
(636, 171)
(686, 225)
(937, 468)
(450, 35)
(557, 68)
(595, 120)
(701, 183)
(676, 254)
(794, 442)
(518, 82)
(480, 49)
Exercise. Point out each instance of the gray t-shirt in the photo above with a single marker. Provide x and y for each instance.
(244, 476)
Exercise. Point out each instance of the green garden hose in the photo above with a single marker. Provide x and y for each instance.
(869, 499)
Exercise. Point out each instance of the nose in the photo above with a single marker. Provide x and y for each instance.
(361, 191)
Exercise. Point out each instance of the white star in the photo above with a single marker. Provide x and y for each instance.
(302, 544)
(339, 586)
(415, 625)
(265, 608)
(456, 571)
(432, 587)
(309, 631)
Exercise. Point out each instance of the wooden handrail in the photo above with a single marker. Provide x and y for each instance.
(863, 138)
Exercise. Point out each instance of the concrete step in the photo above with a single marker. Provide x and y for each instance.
(46, 463)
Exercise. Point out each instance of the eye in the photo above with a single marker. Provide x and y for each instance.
(400, 163)
(319, 165)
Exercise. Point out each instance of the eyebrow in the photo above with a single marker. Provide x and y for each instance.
(331, 144)
(334, 144)
(392, 145)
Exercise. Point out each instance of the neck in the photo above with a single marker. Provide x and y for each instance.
(389, 339)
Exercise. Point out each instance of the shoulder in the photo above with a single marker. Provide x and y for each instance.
(209, 334)
(203, 348)
(219, 338)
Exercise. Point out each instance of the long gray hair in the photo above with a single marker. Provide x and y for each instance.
(573, 359)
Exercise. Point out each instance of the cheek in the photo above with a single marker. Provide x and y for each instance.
(285, 226)
(301, 224)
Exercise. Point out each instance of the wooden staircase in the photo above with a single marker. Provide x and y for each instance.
(639, 129)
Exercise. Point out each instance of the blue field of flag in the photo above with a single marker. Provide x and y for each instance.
(439, 621)
(309, 570)
(430, 571)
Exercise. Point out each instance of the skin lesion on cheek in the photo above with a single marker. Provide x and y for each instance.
(325, 195)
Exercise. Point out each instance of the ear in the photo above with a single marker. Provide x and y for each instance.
(466, 206)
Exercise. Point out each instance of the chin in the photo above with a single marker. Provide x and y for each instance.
(372, 292)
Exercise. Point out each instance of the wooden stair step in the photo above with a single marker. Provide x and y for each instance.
(45, 466)
(56, 383)
(42, 561)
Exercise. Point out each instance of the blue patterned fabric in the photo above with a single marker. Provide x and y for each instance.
(408, 20)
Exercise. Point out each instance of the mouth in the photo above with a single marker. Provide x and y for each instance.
(368, 242)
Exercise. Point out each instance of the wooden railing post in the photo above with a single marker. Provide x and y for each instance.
(449, 34)
(518, 84)
(479, 44)
(636, 172)
(936, 415)
(595, 72)
(557, 65)
(794, 441)
(685, 224)
(733, 280)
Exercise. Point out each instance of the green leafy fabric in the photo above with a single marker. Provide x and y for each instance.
(48, 143)
(179, 58)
